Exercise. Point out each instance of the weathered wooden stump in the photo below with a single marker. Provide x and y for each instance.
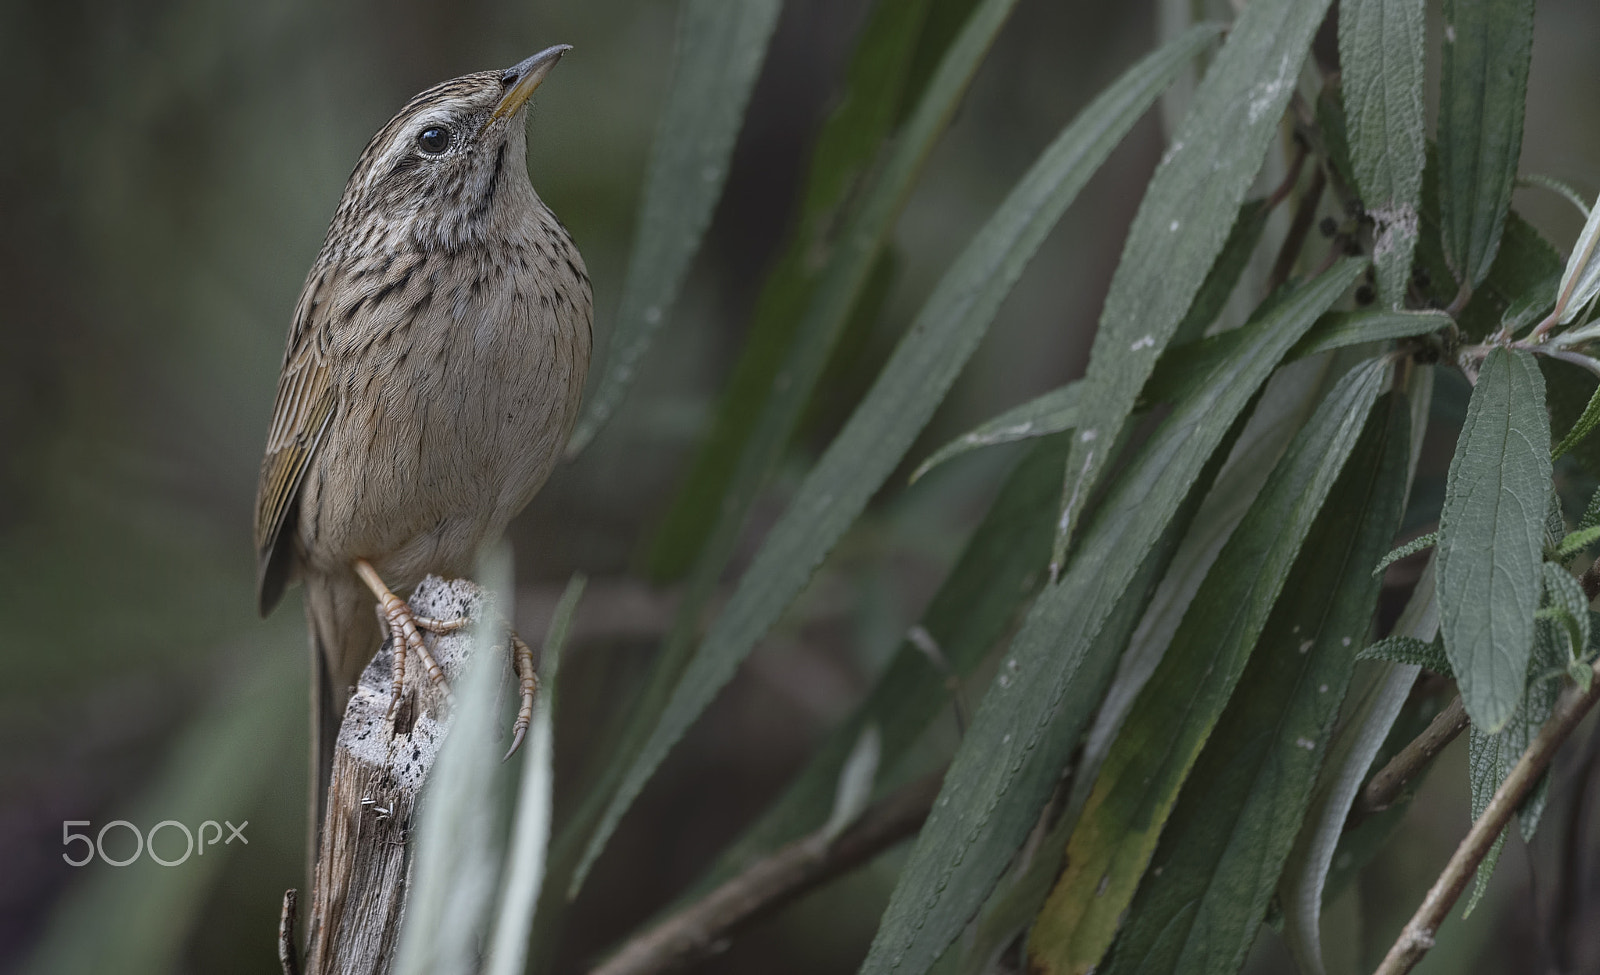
(380, 767)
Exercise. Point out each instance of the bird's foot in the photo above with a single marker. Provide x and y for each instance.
(405, 627)
(527, 687)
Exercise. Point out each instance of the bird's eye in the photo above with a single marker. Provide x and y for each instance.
(434, 139)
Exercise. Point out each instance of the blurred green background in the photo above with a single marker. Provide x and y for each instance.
(170, 169)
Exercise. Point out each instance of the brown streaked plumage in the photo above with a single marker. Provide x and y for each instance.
(433, 370)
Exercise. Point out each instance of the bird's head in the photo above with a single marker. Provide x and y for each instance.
(450, 163)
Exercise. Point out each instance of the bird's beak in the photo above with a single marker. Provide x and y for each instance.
(520, 81)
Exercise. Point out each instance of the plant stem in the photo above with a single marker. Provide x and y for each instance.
(1304, 215)
(703, 927)
(1384, 787)
(1417, 936)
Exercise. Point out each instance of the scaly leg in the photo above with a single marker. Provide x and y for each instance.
(527, 686)
(405, 626)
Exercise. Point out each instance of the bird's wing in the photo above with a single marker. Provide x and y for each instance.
(299, 417)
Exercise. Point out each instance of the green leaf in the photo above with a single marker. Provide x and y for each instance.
(1524, 262)
(1577, 541)
(1487, 45)
(1399, 649)
(911, 386)
(1183, 366)
(1050, 681)
(848, 271)
(1490, 757)
(878, 85)
(1587, 421)
(1180, 705)
(1364, 725)
(1224, 275)
(1491, 536)
(455, 872)
(1409, 548)
(1581, 279)
(1381, 55)
(1532, 305)
(1559, 187)
(1214, 871)
(1568, 393)
(1565, 595)
(1343, 329)
(1591, 513)
(720, 52)
(530, 830)
(1000, 568)
(1183, 223)
(1041, 416)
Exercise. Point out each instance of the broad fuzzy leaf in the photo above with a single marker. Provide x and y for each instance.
(1049, 683)
(1487, 46)
(1409, 650)
(1178, 708)
(1381, 57)
(1491, 536)
(1183, 223)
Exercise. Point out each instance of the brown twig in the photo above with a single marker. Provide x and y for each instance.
(1384, 788)
(1417, 936)
(1305, 215)
(703, 928)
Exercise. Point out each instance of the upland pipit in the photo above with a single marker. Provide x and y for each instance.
(434, 367)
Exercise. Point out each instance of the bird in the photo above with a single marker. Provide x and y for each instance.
(434, 366)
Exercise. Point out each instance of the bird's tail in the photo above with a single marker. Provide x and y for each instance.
(343, 628)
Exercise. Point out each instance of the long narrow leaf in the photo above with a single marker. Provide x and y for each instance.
(848, 271)
(1580, 281)
(450, 902)
(721, 48)
(1286, 403)
(1363, 726)
(1214, 872)
(905, 395)
(1183, 223)
(877, 84)
(1000, 568)
(1491, 536)
(1178, 708)
(1382, 56)
(530, 830)
(1049, 684)
(1041, 416)
(1487, 45)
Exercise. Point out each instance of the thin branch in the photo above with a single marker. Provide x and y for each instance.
(1305, 215)
(1417, 936)
(1296, 164)
(1385, 787)
(704, 927)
